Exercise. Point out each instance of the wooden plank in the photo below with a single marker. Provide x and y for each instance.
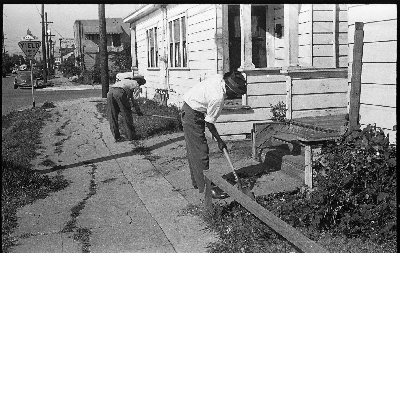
(380, 73)
(380, 95)
(384, 117)
(308, 170)
(321, 7)
(305, 39)
(335, 33)
(266, 77)
(206, 17)
(298, 240)
(234, 128)
(372, 12)
(315, 112)
(311, 101)
(379, 51)
(308, 86)
(270, 37)
(322, 62)
(355, 91)
(291, 34)
(326, 38)
(327, 27)
(267, 89)
(381, 31)
(265, 101)
(257, 114)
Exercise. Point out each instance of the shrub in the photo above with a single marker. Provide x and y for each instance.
(278, 111)
(356, 186)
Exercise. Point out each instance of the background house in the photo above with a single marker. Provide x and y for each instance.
(87, 38)
(295, 53)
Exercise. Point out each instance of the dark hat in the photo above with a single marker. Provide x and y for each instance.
(236, 82)
(139, 79)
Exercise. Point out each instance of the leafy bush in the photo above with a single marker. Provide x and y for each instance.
(356, 186)
(278, 111)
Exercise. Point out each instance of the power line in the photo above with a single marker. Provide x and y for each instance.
(38, 11)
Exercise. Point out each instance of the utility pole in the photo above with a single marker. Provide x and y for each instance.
(44, 47)
(48, 43)
(103, 51)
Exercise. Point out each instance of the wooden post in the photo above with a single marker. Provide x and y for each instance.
(356, 70)
(291, 34)
(33, 86)
(208, 195)
(225, 39)
(335, 32)
(245, 37)
(44, 47)
(270, 35)
(308, 178)
(133, 50)
(103, 51)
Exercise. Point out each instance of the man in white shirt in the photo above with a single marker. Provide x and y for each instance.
(126, 87)
(202, 106)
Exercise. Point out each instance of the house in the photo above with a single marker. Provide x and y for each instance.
(295, 53)
(379, 63)
(87, 38)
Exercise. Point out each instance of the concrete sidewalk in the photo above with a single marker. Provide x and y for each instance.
(117, 201)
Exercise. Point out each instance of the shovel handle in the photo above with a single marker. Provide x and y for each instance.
(233, 169)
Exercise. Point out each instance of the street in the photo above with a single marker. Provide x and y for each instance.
(15, 99)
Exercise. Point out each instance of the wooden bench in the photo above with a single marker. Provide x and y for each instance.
(310, 132)
(298, 240)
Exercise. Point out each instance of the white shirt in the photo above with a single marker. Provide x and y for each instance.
(131, 87)
(207, 97)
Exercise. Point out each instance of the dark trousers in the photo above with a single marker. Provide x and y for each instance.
(196, 145)
(118, 102)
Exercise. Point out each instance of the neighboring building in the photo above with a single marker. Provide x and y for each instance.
(379, 63)
(67, 46)
(87, 39)
(296, 53)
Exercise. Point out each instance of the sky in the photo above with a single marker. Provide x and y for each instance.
(18, 18)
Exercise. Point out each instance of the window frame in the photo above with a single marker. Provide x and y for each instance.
(152, 58)
(183, 44)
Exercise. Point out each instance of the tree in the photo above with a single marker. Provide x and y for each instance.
(122, 61)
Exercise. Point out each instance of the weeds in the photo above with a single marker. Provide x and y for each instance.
(20, 184)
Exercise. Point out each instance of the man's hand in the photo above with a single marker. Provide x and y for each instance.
(222, 145)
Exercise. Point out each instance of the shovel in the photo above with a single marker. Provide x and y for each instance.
(245, 190)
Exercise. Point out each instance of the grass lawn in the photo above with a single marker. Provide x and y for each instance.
(20, 183)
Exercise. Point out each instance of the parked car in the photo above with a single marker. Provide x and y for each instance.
(23, 79)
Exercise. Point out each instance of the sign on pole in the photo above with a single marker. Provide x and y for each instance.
(30, 47)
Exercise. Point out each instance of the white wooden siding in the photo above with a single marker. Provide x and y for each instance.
(379, 74)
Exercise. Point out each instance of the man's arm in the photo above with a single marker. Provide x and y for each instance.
(211, 127)
(135, 105)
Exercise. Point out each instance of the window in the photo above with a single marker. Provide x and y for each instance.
(116, 40)
(177, 43)
(152, 48)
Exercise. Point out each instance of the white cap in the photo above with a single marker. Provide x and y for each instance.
(124, 75)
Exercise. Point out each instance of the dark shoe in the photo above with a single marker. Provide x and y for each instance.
(218, 193)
